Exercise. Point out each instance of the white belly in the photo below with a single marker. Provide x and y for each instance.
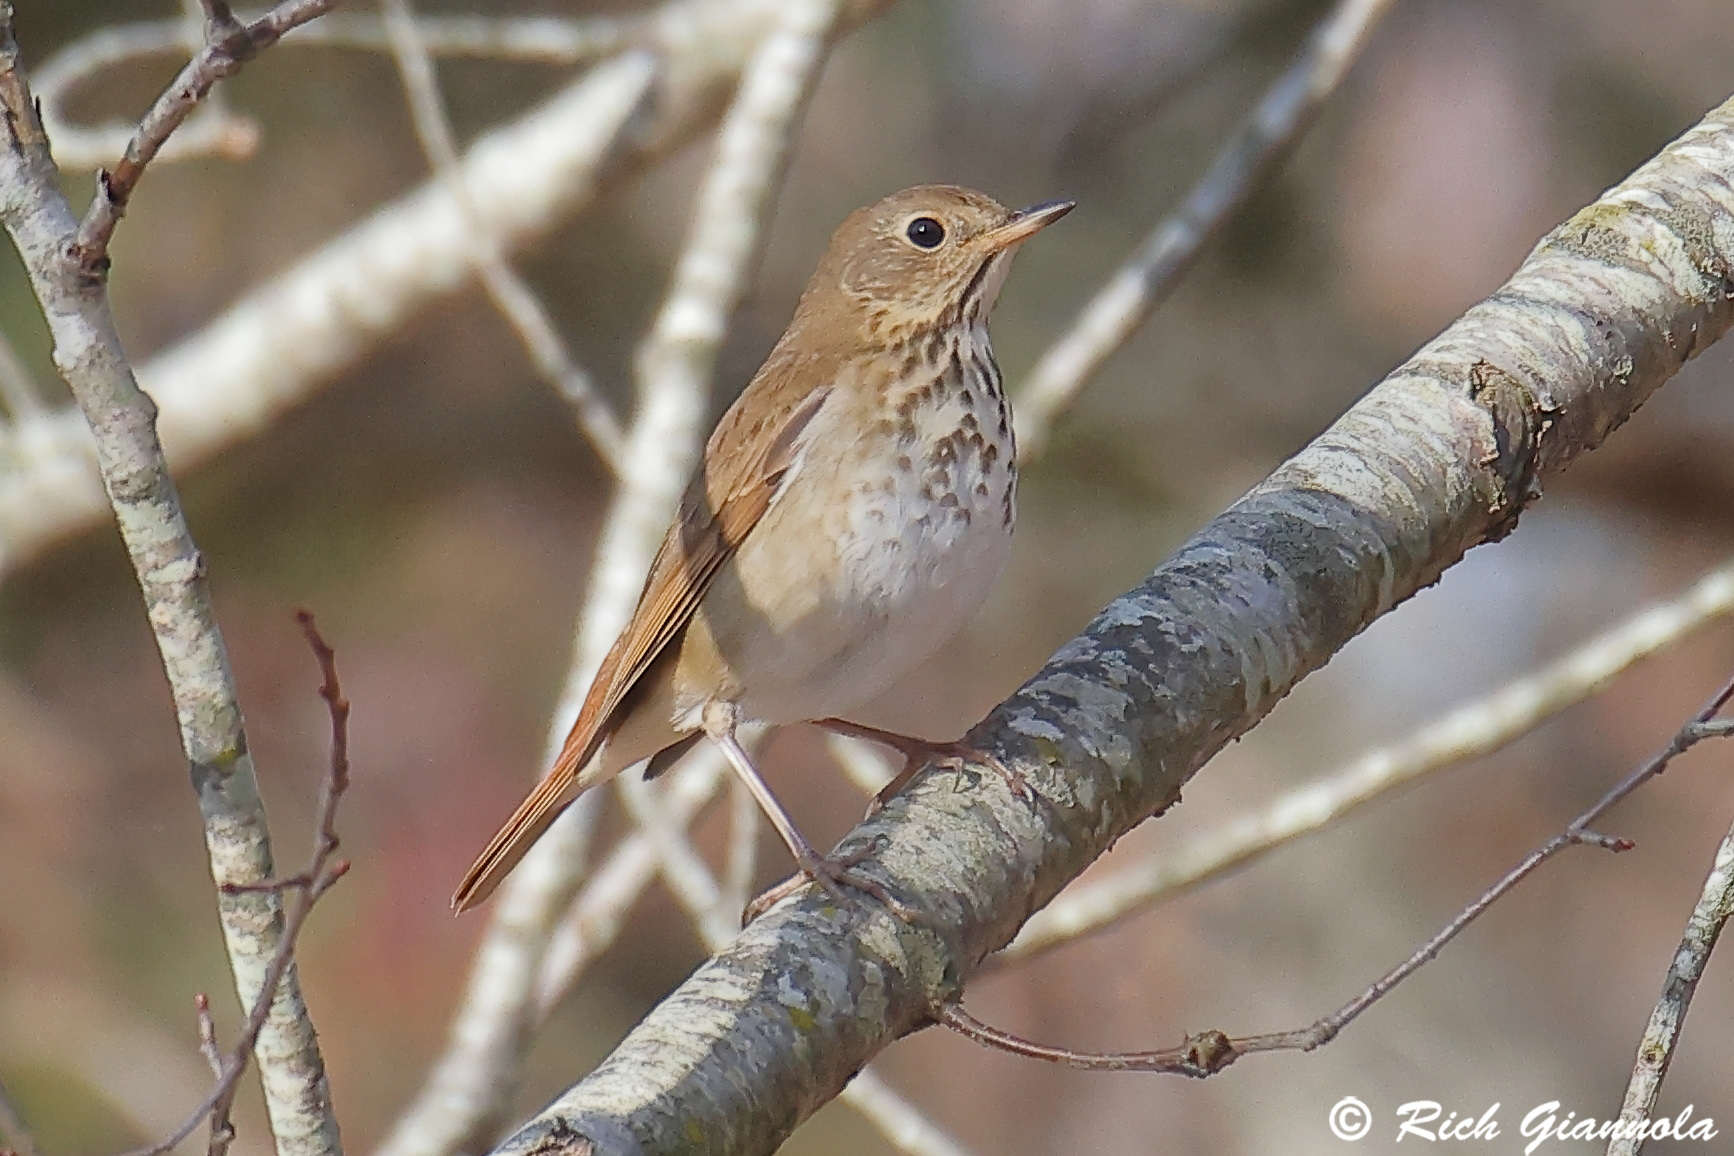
(905, 560)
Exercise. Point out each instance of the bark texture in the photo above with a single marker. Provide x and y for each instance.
(1440, 456)
(177, 597)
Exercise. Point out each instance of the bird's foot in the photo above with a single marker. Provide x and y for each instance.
(919, 752)
(833, 874)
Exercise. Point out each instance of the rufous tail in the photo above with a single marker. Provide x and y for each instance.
(533, 816)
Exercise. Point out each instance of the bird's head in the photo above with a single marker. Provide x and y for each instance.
(926, 258)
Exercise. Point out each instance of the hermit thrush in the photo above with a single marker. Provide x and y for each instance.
(854, 505)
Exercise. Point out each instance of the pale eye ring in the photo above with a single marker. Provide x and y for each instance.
(925, 233)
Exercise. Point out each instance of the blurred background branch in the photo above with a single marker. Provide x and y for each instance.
(1150, 274)
(288, 337)
(222, 133)
(511, 295)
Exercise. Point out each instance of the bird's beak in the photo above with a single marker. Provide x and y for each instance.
(1023, 224)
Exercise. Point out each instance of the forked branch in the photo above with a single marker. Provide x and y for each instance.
(310, 883)
(229, 45)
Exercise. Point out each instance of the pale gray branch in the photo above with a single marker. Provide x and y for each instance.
(1662, 1034)
(598, 914)
(171, 575)
(1472, 731)
(1441, 456)
(218, 132)
(897, 1119)
(1151, 273)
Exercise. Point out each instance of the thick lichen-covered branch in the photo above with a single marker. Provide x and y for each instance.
(1467, 732)
(1440, 456)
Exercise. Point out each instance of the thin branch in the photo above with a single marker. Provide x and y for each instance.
(1262, 142)
(170, 572)
(864, 763)
(1209, 1052)
(221, 1131)
(551, 40)
(206, 132)
(555, 40)
(684, 871)
(1472, 731)
(1662, 1033)
(511, 295)
(229, 45)
(312, 882)
(899, 1121)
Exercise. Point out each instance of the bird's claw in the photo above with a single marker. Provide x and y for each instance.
(833, 874)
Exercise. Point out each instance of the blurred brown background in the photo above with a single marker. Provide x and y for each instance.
(436, 508)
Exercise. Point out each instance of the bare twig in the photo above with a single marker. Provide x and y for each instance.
(1471, 731)
(552, 40)
(1662, 1033)
(170, 572)
(511, 295)
(229, 45)
(1209, 1052)
(206, 132)
(325, 840)
(221, 1131)
(1147, 278)
(312, 882)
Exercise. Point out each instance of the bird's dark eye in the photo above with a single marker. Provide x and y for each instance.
(926, 233)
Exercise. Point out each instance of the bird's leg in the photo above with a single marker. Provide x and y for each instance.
(917, 753)
(831, 874)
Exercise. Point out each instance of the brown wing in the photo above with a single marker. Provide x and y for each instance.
(746, 462)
